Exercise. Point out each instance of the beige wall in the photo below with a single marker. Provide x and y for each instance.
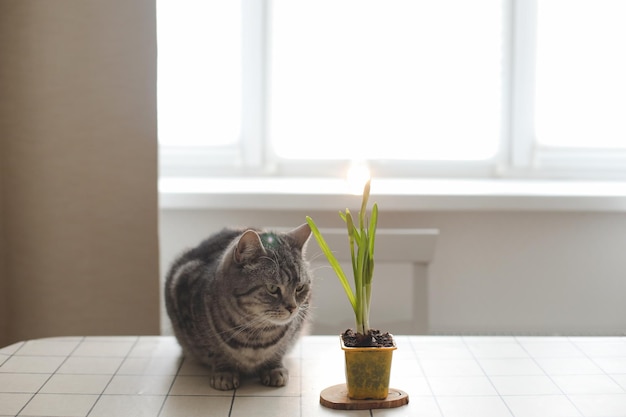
(78, 154)
(4, 311)
(493, 272)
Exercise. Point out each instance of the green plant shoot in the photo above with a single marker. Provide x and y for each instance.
(361, 240)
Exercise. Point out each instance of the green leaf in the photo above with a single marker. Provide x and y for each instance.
(362, 243)
(366, 196)
(351, 238)
(371, 241)
(334, 263)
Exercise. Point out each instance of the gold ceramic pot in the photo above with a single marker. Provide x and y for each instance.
(367, 371)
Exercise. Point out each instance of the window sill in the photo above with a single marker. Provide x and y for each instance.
(393, 194)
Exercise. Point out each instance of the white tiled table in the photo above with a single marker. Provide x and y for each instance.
(444, 376)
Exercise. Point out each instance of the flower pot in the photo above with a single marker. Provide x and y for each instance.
(367, 371)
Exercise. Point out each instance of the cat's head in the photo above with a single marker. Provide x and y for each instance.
(267, 274)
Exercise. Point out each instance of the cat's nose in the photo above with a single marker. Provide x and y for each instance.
(291, 308)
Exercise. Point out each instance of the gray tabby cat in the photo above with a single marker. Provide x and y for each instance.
(238, 301)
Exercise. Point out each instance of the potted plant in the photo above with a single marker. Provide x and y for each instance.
(368, 352)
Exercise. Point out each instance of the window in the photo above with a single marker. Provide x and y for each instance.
(482, 88)
(367, 81)
(581, 88)
(199, 70)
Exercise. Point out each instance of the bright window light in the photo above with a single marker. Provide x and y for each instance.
(580, 79)
(199, 72)
(401, 79)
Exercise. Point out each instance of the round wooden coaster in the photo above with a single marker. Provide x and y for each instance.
(337, 397)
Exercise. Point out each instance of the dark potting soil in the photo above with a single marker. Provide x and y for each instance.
(373, 338)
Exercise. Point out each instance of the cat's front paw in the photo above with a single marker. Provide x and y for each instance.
(225, 381)
(275, 377)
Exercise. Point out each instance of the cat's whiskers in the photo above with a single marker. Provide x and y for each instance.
(321, 267)
(256, 326)
(237, 330)
(316, 256)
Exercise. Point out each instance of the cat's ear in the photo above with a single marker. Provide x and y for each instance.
(248, 246)
(301, 234)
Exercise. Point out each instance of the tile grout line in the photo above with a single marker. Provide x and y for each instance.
(39, 389)
(51, 375)
(548, 374)
(167, 395)
(232, 402)
(596, 363)
(569, 338)
(412, 340)
(112, 375)
(300, 371)
(279, 396)
(471, 352)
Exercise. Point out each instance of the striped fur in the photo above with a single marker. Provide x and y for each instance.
(238, 302)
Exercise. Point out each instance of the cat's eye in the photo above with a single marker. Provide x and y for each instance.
(300, 288)
(272, 289)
